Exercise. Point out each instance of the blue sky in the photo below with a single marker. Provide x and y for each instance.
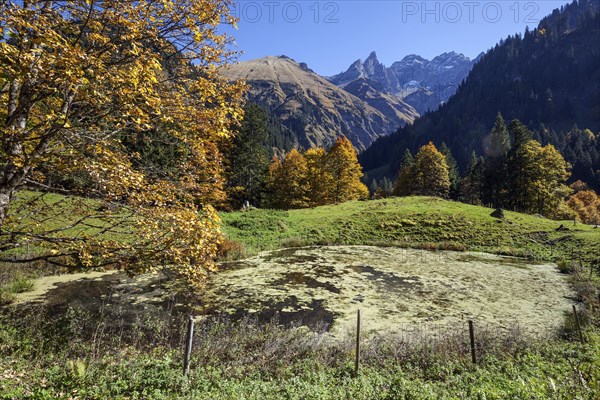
(330, 35)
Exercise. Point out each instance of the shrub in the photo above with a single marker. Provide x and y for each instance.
(293, 242)
(20, 285)
(230, 250)
(453, 246)
(564, 267)
(17, 284)
(6, 297)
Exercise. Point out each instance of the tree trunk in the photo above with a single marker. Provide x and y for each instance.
(4, 203)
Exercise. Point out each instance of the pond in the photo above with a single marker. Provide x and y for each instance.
(392, 287)
(315, 286)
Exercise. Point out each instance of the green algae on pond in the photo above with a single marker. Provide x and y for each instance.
(392, 287)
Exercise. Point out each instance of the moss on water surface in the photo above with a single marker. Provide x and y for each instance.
(392, 286)
(319, 285)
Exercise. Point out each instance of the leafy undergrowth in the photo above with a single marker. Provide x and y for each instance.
(419, 222)
(73, 358)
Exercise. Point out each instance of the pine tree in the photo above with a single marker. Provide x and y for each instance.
(346, 172)
(406, 176)
(373, 186)
(516, 165)
(388, 186)
(249, 157)
(453, 172)
(431, 172)
(496, 146)
(472, 183)
(518, 133)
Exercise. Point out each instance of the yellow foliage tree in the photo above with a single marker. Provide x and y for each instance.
(318, 177)
(76, 79)
(431, 172)
(346, 172)
(540, 183)
(286, 182)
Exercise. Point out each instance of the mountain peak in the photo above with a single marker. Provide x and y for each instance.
(451, 55)
(413, 58)
(372, 65)
(405, 77)
(356, 63)
(372, 56)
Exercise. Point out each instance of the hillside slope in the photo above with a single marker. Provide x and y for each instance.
(420, 222)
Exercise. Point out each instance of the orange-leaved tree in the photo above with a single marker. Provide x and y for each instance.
(316, 177)
(78, 80)
(586, 204)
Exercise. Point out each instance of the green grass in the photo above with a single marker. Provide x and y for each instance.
(17, 284)
(57, 216)
(421, 222)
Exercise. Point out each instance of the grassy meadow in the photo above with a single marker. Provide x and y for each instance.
(413, 222)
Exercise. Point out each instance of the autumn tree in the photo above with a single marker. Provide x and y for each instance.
(586, 204)
(316, 177)
(346, 172)
(405, 181)
(319, 179)
(274, 197)
(249, 157)
(287, 185)
(78, 80)
(431, 172)
(540, 184)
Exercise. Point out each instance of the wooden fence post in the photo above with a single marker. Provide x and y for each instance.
(472, 338)
(577, 323)
(188, 346)
(357, 359)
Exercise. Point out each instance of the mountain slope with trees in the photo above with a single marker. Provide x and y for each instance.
(548, 78)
